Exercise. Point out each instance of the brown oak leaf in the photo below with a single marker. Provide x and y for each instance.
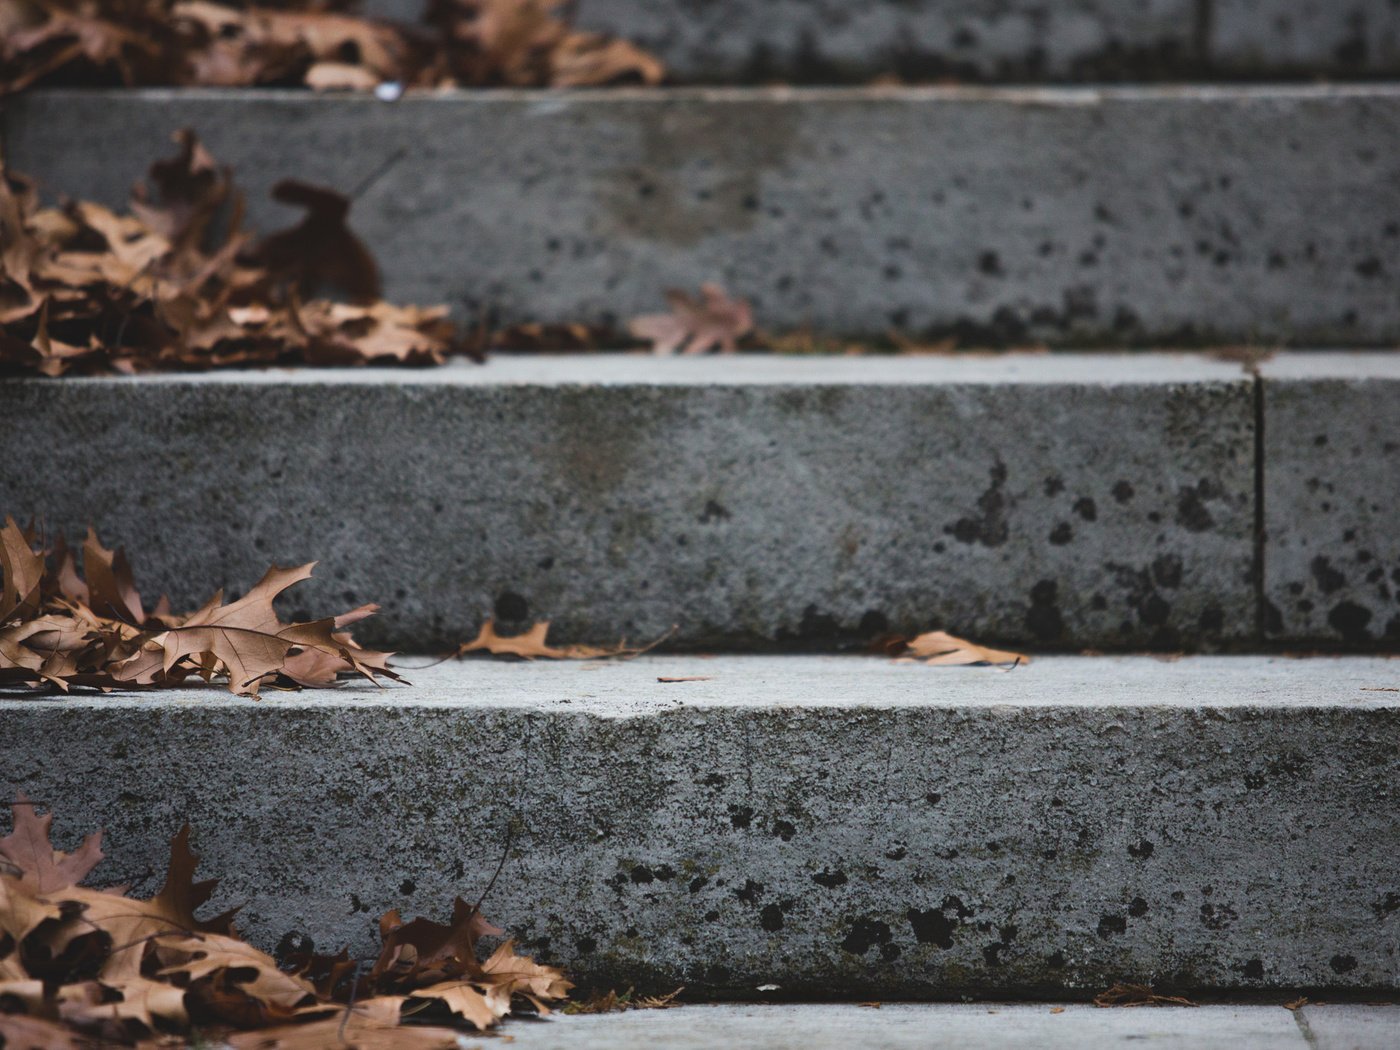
(713, 322)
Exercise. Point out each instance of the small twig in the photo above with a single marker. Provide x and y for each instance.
(505, 855)
(350, 1004)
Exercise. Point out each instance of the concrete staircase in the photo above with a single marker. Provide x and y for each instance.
(837, 826)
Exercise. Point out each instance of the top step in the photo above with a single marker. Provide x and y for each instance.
(836, 41)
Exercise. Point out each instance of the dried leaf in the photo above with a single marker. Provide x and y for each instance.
(695, 326)
(939, 648)
(42, 868)
(1137, 995)
(532, 645)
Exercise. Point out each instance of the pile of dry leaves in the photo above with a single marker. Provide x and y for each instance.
(60, 629)
(521, 43)
(178, 282)
(81, 967)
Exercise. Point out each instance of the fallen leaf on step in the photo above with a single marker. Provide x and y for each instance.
(713, 322)
(61, 629)
(941, 649)
(1137, 995)
(687, 678)
(532, 645)
(81, 967)
(1296, 1004)
(614, 1003)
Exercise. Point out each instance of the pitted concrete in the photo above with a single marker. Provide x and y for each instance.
(829, 41)
(1305, 37)
(958, 1026)
(1332, 498)
(1126, 216)
(836, 826)
(753, 502)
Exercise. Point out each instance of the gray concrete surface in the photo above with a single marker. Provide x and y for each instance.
(1338, 1026)
(752, 502)
(835, 826)
(1332, 498)
(1126, 216)
(1307, 37)
(971, 1026)
(823, 41)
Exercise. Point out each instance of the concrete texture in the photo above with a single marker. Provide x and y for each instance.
(1127, 216)
(1338, 37)
(765, 502)
(1332, 498)
(1338, 1026)
(835, 826)
(970, 1026)
(827, 41)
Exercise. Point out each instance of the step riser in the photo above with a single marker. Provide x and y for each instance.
(894, 850)
(1115, 39)
(1127, 217)
(799, 513)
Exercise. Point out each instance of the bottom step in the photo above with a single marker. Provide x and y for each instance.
(839, 826)
(902, 1026)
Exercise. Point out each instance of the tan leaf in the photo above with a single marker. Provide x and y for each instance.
(42, 868)
(939, 648)
(714, 321)
(23, 571)
(532, 645)
(356, 1034)
(19, 1032)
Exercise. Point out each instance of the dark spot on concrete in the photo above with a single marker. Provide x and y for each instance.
(1155, 610)
(1142, 849)
(874, 622)
(830, 879)
(933, 798)
(990, 529)
(784, 830)
(1369, 267)
(292, 944)
(1055, 961)
(1329, 580)
(1112, 924)
(512, 607)
(751, 892)
(545, 563)
(407, 887)
(1343, 963)
(771, 918)
(1254, 970)
(992, 952)
(1044, 620)
(1350, 620)
(1212, 619)
(990, 264)
(357, 905)
(864, 934)
(1061, 534)
(1191, 512)
(1137, 908)
(641, 874)
(714, 512)
(1389, 903)
(714, 780)
(898, 853)
(712, 916)
(586, 945)
(1123, 491)
(698, 883)
(1167, 571)
(1086, 509)
(1054, 485)
(937, 925)
(740, 816)
(1218, 918)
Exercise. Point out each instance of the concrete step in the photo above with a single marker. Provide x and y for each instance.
(1124, 216)
(754, 501)
(1051, 501)
(844, 826)
(970, 1026)
(822, 41)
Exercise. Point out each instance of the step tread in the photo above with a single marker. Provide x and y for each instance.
(969, 1026)
(630, 688)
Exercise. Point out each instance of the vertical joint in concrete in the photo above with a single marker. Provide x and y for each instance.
(1261, 601)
